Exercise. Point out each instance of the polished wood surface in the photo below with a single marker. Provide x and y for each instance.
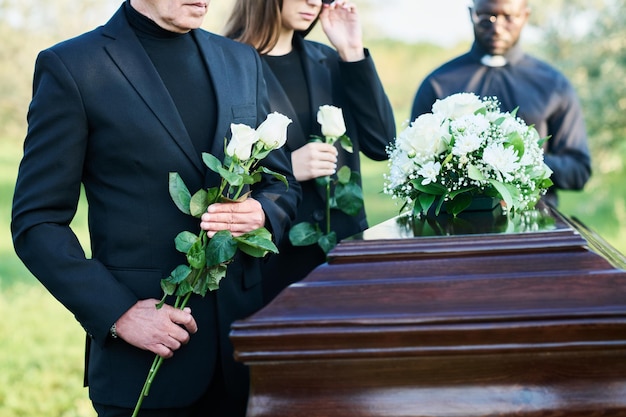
(437, 317)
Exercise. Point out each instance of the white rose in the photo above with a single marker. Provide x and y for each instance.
(241, 142)
(273, 131)
(457, 105)
(331, 120)
(426, 136)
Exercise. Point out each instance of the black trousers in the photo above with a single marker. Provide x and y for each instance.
(215, 402)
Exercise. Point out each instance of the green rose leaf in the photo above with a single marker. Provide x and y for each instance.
(276, 175)
(304, 234)
(213, 195)
(212, 162)
(252, 178)
(256, 243)
(346, 143)
(199, 203)
(215, 165)
(221, 248)
(179, 192)
(349, 198)
(215, 276)
(184, 241)
(183, 289)
(344, 174)
(178, 275)
(328, 242)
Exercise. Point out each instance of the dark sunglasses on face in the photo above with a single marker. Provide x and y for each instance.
(327, 1)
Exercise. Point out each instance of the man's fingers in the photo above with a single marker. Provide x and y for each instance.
(185, 319)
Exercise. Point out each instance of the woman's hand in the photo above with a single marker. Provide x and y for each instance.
(341, 24)
(315, 159)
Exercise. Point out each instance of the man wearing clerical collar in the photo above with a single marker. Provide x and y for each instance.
(497, 66)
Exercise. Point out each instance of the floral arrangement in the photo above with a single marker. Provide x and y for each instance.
(465, 148)
(343, 191)
(208, 258)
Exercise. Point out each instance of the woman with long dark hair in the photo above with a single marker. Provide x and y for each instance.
(301, 76)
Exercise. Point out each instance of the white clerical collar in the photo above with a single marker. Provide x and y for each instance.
(493, 60)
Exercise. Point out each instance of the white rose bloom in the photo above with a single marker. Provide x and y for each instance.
(429, 171)
(241, 142)
(331, 120)
(273, 131)
(457, 105)
(502, 159)
(426, 136)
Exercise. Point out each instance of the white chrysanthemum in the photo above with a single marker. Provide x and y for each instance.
(503, 159)
(426, 137)
(429, 172)
(466, 144)
(457, 105)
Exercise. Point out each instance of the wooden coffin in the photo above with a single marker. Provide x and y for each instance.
(482, 315)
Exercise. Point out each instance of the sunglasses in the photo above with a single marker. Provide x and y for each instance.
(327, 1)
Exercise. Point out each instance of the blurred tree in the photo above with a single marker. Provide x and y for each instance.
(586, 39)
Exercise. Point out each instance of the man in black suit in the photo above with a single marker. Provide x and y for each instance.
(115, 110)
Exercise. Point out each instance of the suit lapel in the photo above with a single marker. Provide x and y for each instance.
(134, 63)
(318, 77)
(221, 84)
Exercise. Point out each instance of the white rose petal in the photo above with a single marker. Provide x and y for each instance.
(273, 131)
(426, 136)
(241, 142)
(457, 105)
(331, 120)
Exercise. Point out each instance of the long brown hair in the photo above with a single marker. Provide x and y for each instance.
(257, 23)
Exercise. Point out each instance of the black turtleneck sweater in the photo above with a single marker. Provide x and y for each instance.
(178, 61)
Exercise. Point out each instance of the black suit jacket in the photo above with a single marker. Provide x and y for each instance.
(100, 116)
(356, 88)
